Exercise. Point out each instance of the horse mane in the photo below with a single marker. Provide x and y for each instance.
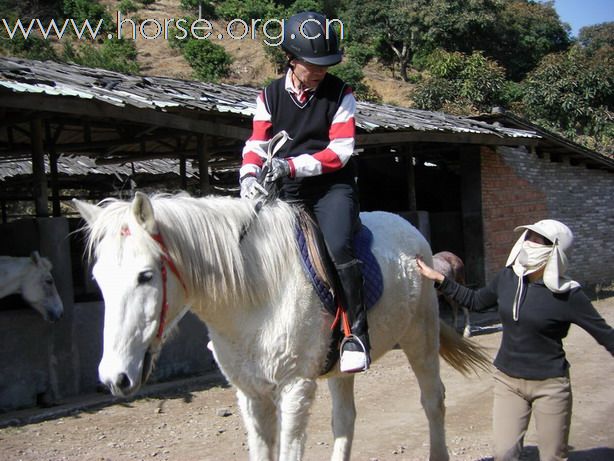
(204, 239)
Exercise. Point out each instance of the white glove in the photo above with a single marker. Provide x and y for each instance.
(279, 168)
(252, 189)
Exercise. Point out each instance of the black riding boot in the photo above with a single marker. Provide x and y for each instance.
(355, 348)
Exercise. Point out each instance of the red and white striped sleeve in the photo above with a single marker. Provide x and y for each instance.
(254, 151)
(340, 148)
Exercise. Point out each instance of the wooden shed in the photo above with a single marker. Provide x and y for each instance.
(69, 131)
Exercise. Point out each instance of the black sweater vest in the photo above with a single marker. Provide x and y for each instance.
(308, 125)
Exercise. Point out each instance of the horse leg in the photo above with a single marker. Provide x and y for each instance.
(421, 346)
(260, 419)
(343, 417)
(432, 393)
(295, 402)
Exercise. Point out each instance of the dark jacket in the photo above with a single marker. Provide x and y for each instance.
(532, 347)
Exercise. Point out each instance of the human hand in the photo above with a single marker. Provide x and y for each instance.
(427, 271)
(252, 189)
(279, 168)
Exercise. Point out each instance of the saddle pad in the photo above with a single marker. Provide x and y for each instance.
(371, 272)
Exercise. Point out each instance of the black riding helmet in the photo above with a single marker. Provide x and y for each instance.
(306, 37)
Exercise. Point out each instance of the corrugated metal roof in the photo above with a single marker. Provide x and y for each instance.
(77, 165)
(163, 93)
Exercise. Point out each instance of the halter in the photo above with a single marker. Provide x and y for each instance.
(166, 258)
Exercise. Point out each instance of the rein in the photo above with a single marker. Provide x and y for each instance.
(274, 144)
(166, 261)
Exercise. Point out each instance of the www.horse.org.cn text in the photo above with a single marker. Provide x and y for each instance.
(270, 31)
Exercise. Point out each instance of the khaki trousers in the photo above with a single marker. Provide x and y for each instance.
(550, 401)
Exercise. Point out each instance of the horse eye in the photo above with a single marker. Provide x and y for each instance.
(145, 277)
(49, 282)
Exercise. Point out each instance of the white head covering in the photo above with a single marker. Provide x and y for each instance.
(526, 258)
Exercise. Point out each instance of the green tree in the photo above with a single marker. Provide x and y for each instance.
(31, 48)
(116, 55)
(194, 5)
(573, 94)
(526, 32)
(34, 47)
(597, 37)
(92, 11)
(515, 33)
(209, 61)
(407, 28)
(460, 83)
(248, 9)
(29, 9)
(351, 73)
(389, 22)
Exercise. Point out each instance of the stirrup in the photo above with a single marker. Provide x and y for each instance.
(354, 361)
(212, 349)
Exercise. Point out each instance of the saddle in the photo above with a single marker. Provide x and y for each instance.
(321, 271)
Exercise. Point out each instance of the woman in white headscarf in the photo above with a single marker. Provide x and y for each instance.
(537, 303)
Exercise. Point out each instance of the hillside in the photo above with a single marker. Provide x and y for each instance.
(250, 64)
(568, 94)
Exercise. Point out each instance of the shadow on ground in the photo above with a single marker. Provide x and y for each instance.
(531, 453)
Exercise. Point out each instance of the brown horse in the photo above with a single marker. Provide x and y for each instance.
(453, 267)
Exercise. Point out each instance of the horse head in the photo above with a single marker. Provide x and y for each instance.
(140, 285)
(38, 289)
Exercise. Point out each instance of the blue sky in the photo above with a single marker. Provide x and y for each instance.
(580, 13)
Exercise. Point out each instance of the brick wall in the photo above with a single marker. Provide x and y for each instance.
(518, 188)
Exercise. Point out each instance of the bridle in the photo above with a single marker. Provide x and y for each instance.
(166, 260)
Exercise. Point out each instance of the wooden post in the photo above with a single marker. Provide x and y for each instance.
(471, 208)
(183, 172)
(182, 166)
(38, 169)
(53, 170)
(203, 164)
(411, 177)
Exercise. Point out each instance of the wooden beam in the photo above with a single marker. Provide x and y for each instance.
(97, 109)
(396, 137)
(132, 157)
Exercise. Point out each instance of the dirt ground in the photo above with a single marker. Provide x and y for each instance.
(199, 419)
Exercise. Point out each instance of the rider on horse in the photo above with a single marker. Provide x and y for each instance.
(315, 166)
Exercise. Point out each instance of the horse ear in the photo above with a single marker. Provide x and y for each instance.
(35, 257)
(87, 211)
(143, 212)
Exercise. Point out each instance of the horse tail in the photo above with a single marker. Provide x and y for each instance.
(461, 353)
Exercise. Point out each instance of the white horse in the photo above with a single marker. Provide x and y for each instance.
(241, 273)
(31, 277)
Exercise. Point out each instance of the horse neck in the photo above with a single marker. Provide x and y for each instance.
(250, 256)
(12, 274)
(218, 263)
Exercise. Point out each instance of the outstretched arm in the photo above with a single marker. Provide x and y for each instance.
(476, 300)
